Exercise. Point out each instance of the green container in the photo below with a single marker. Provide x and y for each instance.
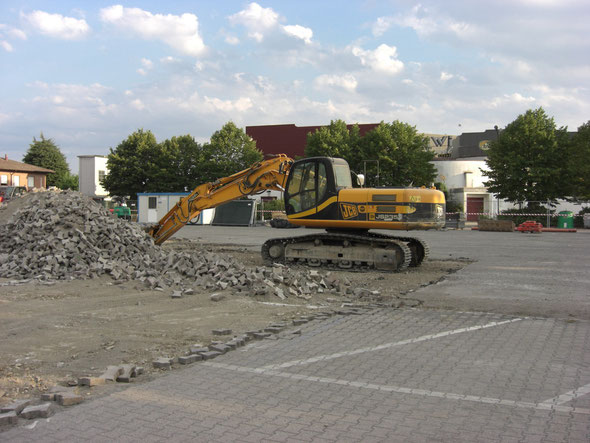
(565, 220)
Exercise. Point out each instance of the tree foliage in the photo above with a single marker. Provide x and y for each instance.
(141, 164)
(392, 154)
(46, 154)
(230, 150)
(528, 162)
(403, 154)
(579, 163)
(134, 165)
(334, 140)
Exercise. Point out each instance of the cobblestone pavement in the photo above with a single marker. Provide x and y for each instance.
(385, 375)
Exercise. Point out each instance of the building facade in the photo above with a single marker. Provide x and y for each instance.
(13, 173)
(92, 170)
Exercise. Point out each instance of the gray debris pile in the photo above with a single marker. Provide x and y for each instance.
(65, 235)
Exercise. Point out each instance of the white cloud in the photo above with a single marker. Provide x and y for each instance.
(444, 76)
(180, 32)
(382, 25)
(261, 22)
(11, 32)
(57, 25)
(6, 46)
(383, 59)
(232, 40)
(298, 31)
(240, 105)
(346, 81)
(137, 104)
(256, 19)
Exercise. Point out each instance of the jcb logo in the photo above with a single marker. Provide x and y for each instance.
(348, 211)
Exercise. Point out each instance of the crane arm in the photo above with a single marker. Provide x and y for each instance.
(266, 175)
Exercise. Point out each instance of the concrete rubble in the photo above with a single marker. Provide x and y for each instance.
(65, 235)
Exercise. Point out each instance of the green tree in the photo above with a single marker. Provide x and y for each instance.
(579, 163)
(69, 181)
(528, 162)
(334, 140)
(134, 165)
(183, 169)
(230, 150)
(403, 154)
(46, 154)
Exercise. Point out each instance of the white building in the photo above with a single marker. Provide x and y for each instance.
(92, 169)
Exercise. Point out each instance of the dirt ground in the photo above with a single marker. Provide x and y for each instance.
(52, 334)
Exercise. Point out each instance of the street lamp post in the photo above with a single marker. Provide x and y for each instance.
(365, 168)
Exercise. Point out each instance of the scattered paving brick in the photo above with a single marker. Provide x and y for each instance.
(221, 331)
(126, 374)
(222, 348)
(8, 418)
(15, 407)
(210, 354)
(162, 363)
(39, 411)
(112, 373)
(91, 381)
(68, 398)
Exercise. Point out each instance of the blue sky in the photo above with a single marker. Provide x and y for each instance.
(88, 74)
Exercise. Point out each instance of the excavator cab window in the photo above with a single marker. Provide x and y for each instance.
(308, 184)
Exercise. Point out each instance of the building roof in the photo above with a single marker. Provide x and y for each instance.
(14, 166)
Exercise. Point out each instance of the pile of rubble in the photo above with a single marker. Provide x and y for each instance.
(65, 235)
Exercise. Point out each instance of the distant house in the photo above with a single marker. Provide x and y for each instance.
(13, 173)
(92, 170)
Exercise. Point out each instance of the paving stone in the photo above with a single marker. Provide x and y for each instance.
(91, 381)
(38, 411)
(223, 348)
(299, 322)
(198, 349)
(112, 373)
(68, 398)
(126, 374)
(162, 363)
(211, 354)
(16, 406)
(261, 335)
(221, 331)
(187, 359)
(8, 418)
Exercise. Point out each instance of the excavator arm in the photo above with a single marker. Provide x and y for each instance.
(266, 175)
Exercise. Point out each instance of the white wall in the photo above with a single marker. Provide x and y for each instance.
(452, 173)
(88, 175)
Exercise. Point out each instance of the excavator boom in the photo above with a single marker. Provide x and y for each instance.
(269, 174)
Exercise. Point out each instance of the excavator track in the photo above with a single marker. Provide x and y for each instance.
(347, 251)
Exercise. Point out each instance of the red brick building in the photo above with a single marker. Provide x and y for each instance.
(289, 139)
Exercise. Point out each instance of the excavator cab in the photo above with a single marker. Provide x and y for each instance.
(313, 186)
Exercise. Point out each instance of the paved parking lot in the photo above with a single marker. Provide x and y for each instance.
(387, 375)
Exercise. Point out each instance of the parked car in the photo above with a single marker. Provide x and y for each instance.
(7, 193)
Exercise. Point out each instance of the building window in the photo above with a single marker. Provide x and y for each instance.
(3, 179)
(30, 181)
(101, 176)
(152, 202)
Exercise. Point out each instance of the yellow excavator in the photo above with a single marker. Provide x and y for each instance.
(319, 193)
